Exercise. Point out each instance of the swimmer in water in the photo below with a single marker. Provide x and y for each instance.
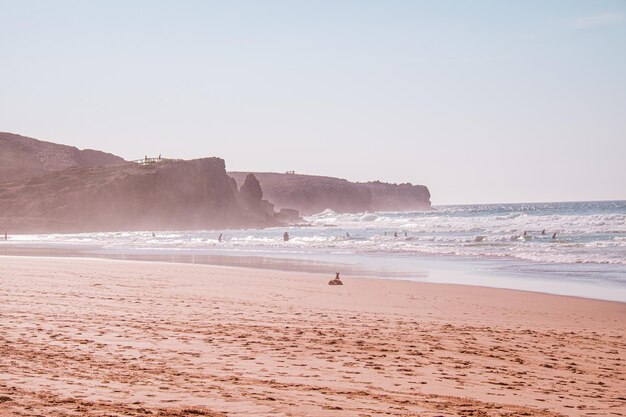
(554, 236)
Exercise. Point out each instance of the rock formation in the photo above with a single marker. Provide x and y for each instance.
(23, 157)
(250, 191)
(167, 195)
(46, 187)
(251, 196)
(311, 194)
(398, 197)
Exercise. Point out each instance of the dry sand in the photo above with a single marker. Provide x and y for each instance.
(84, 337)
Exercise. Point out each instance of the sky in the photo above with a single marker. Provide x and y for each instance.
(482, 101)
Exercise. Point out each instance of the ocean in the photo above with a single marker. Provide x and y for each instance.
(494, 245)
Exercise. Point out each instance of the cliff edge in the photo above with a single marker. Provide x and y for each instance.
(167, 195)
(52, 188)
(24, 157)
(311, 194)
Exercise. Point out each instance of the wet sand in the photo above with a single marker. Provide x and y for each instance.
(234, 259)
(84, 337)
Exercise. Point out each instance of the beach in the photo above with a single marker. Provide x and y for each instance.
(492, 245)
(93, 337)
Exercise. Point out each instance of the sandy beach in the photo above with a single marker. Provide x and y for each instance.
(82, 337)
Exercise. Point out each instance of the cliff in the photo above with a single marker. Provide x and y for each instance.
(23, 157)
(312, 194)
(398, 197)
(46, 187)
(170, 195)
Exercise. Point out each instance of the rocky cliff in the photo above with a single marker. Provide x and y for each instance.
(194, 194)
(23, 157)
(398, 197)
(46, 187)
(312, 194)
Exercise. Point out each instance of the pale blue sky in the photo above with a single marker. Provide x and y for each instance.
(483, 101)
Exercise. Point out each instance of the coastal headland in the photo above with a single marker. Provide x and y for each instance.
(84, 337)
(51, 188)
(311, 194)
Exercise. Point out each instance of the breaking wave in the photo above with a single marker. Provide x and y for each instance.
(586, 232)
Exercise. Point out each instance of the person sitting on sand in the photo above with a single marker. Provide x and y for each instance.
(336, 280)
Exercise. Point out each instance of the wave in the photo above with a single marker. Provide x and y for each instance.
(599, 223)
(589, 233)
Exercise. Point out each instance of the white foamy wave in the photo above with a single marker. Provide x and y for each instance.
(445, 222)
(585, 233)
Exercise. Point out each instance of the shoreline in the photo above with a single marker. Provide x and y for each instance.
(434, 269)
(117, 337)
(319, 273)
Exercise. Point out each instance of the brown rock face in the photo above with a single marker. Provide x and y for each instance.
(312, 194)
(398, 197)
(251, 197)
(250, 192)
(167, 195)
(23, 157)
(46, 187)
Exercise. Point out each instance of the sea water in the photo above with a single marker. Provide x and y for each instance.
(498, 245)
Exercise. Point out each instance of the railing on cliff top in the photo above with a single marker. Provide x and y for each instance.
(147, 161)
